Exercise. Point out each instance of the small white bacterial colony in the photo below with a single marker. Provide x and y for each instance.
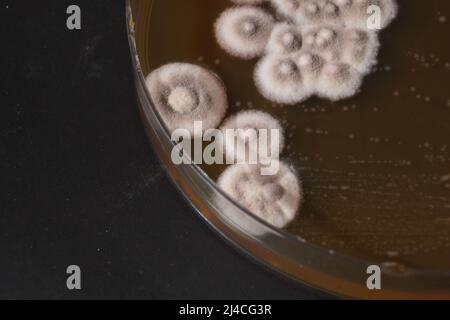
(275, 199)
(184, 93)
(308, 47)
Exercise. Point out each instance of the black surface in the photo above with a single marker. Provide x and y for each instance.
(79, 182)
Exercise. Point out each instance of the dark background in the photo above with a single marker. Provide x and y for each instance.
(79, 182)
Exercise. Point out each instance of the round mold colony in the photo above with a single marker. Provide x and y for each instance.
(279, 79)
(244, 31)
(325, 40)
(275, 199)
(184, 93)
(311, 66)
(285, 39)
(338, 81)
(360, 49)
(242, 131)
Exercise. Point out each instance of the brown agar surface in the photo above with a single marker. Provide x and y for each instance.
(375, 167)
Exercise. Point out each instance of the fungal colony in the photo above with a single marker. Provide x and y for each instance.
(184, 93)
(275, 199)
(309, 47)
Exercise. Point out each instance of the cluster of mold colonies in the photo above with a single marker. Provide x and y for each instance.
(275, 199)
(313, 48)
(184, 93)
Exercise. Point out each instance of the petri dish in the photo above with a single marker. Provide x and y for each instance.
(374, 167)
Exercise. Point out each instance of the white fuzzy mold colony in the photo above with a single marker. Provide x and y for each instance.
(185, 93)
(322, 48)
(247, 127)
(280, 79)
(244, 31)
(285, 39)
(275, 198)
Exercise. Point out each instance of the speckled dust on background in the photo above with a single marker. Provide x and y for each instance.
(376, 167)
